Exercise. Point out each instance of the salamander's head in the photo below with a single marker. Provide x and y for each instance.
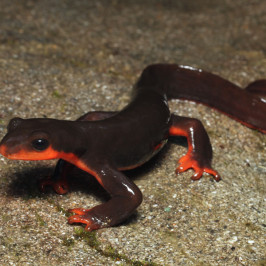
(28, 139)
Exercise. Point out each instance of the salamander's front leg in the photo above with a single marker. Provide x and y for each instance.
(125, 198)
(199, 153)
(58, 181)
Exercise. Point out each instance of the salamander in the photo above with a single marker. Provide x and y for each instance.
(104, 144)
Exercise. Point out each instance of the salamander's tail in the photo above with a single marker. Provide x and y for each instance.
(246, 106)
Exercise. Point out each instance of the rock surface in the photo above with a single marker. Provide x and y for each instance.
(62, 58)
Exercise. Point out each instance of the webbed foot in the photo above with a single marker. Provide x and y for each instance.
(187, 162)
(85, 216)
(60, 186)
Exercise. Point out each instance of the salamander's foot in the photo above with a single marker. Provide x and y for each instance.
(84, 216)
(187, 162)
(60, 186)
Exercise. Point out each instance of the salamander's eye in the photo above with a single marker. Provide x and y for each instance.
(40, 144)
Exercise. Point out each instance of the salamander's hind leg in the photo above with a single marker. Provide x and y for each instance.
(199, 153)
(58, 181)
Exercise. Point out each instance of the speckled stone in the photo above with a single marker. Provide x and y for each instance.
(62, 58)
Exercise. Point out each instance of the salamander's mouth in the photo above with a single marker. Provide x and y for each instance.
(4, 152)
(9, 148)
